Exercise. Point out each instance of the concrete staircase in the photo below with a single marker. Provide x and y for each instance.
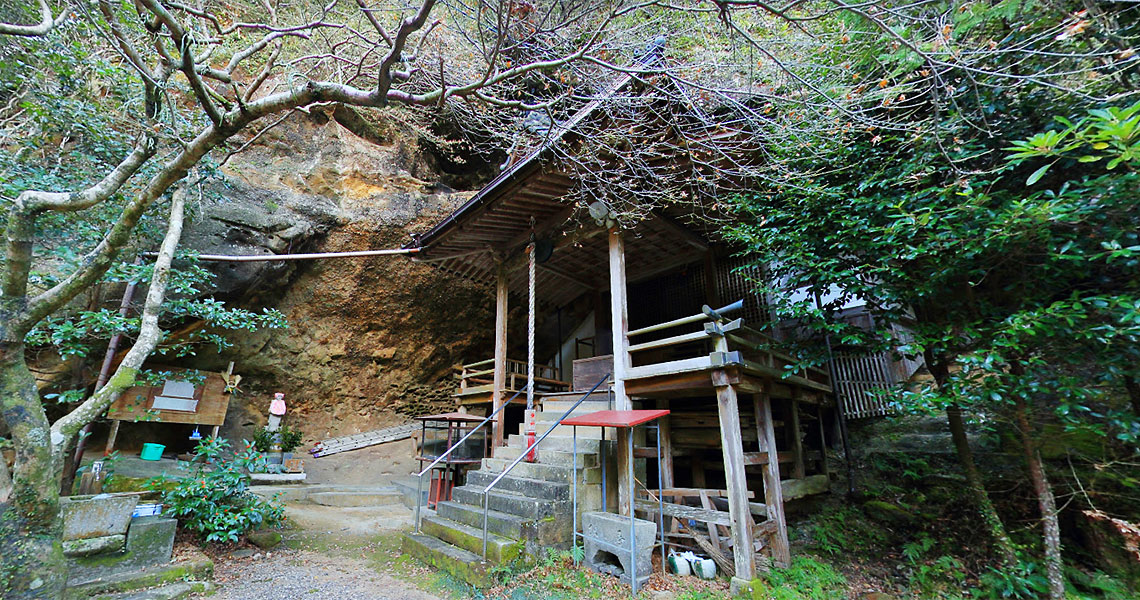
(527, 511)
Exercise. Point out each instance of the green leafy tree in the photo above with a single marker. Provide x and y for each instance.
(1023, 302)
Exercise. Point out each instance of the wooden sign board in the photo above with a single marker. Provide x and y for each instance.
(136, 403)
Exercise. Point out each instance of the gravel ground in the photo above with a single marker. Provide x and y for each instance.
(330, 554)
(307, 575)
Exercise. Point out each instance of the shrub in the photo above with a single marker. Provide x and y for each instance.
(806, 578)
(262, 440)
(290, 438)
(287, 438)
(214, 501)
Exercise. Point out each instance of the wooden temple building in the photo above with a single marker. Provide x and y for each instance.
(744, 435)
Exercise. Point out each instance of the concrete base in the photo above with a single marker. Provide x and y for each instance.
(740, 587)
(150, 542)
(276, 478)
(607, 545)
(97, 545)
(104, 515)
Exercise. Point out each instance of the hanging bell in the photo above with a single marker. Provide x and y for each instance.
(196, 435)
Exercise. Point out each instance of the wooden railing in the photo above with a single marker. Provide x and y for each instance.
(721, 342)
(480, 377)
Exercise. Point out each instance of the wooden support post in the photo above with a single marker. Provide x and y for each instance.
(111, 437)
(735, 479)
(214, 431)
(498, 393)
(711, 295)
(796, 438)
(666, 432)
(619, 318)
(773, 494)
(822, 441)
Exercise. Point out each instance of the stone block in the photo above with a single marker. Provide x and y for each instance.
(96, 516)
(265, 539)
(608, 549)
(98, 545)
(150, 540)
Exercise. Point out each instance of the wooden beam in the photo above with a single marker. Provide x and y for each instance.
(680, 232)
(773, 492)
(732, 449)
(681, 511)
(553, 270)
(498, 392)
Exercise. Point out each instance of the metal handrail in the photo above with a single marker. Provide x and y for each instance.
(420, 475)
(528, 450)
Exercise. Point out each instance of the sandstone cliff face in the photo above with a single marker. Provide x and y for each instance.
(370, 339)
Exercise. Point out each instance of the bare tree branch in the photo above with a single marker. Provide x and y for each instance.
(46, 24)
(149, 336)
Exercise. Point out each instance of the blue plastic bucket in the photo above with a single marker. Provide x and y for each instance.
(151, 451)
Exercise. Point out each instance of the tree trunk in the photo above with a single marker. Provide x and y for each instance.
(32, 563)
(1046, 502)
(1133, 388)
(985, 507)
(1002, 544)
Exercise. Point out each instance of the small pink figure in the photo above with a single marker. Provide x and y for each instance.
(276, 411)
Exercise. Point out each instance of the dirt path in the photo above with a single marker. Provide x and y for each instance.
(333, 554)
(304, 574)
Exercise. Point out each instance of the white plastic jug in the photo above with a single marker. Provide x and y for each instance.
(704, 568)
(679, 565)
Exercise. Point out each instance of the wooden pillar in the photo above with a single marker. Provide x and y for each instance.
(711, 295)
(773, 493)
(111, 437)
(822, 440)
(735, 478)
(619, 319)
(498, 391)
(666, 433)
(795, 438)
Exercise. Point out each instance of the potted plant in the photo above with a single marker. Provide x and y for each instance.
(265, 442)
(289, 439)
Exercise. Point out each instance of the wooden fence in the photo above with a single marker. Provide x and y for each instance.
(860, 376)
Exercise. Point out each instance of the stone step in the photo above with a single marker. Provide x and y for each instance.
(532, 488)
(407, 487)
(379, 497)
(558, 442)
(196, 566)
(590, 405)
(290, 493)
(508, 502)
(498, 523)
(173, 591)
(546, 455)
(586, 474)
(499, 549)
(584, 433)
(459, 563)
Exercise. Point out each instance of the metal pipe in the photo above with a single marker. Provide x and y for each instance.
(420, 475)
(632, 517)
(574, 508)
(735, 306)
(661, 500)
(315, 255)
(104, 372)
